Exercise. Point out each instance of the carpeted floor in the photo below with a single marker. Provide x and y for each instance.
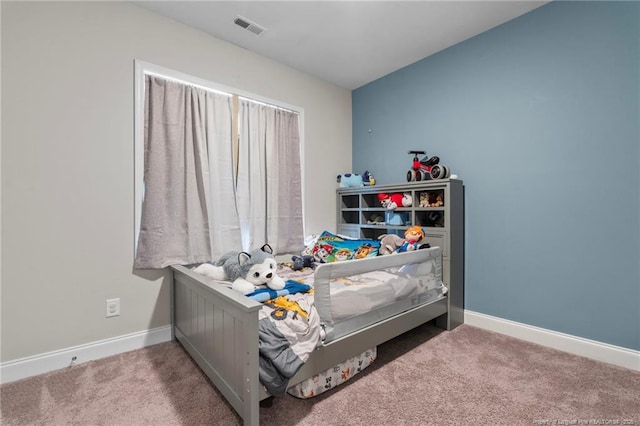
(426, 376)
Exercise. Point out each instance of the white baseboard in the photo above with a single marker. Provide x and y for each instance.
(599, 351)
(31, 366)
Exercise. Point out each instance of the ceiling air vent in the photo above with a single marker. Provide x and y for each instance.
(248, 25)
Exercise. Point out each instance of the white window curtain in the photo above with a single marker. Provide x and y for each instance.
(269, 187)
(188, 157)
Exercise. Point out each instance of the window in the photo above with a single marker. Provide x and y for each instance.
(216, 170)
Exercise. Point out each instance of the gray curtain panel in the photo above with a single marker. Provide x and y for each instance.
(194, 209)
(269, 188)
(284, 211)
(175, 219)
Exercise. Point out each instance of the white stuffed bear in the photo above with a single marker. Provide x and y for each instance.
(247, 271)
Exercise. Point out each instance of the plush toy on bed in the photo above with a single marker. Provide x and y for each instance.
(412, 238)
(389, 243)
(300, 262)
(247, 271)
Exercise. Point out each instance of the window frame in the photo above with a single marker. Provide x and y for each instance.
(142, 68)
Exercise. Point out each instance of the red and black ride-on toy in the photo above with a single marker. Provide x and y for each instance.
(421, 169)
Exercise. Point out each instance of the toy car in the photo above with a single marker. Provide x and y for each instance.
(421, 169)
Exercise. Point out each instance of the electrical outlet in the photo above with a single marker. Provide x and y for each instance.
(113, 307)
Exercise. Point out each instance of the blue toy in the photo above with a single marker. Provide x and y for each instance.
(352, 180)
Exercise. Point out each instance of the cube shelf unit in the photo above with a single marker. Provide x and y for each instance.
(441, 216)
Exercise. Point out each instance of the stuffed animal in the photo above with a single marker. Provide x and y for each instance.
(432, 199)
(389, 243)
(352, 180)
(376, 219)
(300, 262)
(412, 237)
(407, 199)
(368, 178)
(386, 201)
(247, 271)
(424, 199)
(391, 201)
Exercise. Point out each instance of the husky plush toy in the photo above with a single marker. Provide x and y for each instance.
(246, 270)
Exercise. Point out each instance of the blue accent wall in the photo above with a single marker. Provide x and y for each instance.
(540, 118)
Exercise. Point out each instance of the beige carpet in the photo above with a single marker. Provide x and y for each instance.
(427, 376)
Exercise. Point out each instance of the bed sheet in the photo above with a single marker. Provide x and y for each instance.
(359, 294)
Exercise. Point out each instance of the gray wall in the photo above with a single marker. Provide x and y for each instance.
(67, 161)
(539, 117)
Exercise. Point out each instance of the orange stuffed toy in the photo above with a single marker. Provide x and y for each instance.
(412, 237)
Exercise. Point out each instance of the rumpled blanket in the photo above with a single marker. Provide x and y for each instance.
(288, 331)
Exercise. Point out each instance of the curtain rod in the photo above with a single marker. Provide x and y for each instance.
(266, 104)
(220, 92)
(188, 83)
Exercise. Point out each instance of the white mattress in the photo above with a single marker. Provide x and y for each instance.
(359, 294)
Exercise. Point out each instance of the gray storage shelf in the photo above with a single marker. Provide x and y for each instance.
(443, 225)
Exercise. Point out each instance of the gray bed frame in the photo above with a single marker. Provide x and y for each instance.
(219, 329)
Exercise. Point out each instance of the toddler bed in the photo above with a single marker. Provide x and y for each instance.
(360, 303)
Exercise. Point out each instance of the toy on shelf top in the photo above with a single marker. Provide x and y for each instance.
(426, 169)
(352, 180)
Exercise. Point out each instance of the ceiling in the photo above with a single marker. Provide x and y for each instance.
(347, 43)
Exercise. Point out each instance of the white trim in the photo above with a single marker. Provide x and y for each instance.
(616, 355)
(39, 364)
(138, 150)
